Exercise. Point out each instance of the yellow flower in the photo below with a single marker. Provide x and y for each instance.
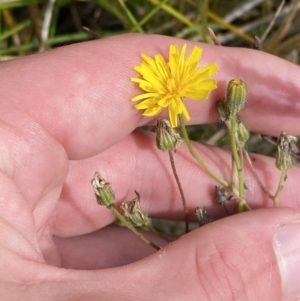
(166, 83)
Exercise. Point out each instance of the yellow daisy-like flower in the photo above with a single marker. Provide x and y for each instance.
(166, 83)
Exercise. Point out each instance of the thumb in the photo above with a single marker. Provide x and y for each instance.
(249, 256)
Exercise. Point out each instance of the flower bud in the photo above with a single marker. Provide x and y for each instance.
(104, 194)
(243, 133)
(167, 139)
(284, 146)
(236, 95)
(133, 211)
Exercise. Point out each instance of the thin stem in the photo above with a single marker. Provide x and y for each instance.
(130, 16)
(242, 202)
(149, 15)
(271, 25)
(46, 24)
(126, 223)
(233, 169)
(236, 157)
(195, 155)
(175, 13)
(11, 31)
(260, 183)
(162, 235)
(280, 186)
(186, 214)
(226, 210)
(233, 166)
(230, 27)
(204, 19)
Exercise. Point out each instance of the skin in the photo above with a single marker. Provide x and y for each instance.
(66, 113)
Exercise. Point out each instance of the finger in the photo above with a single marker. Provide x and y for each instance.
(233, 258)
(117, 245)
(81, 93)
(35, 162)
(250, 256)
(136, 164)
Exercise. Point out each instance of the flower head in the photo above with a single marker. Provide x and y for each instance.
(166, 83)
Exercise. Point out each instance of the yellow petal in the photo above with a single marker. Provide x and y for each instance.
(165, 101)
(143, 96)
(147, 103)
(198, 95)
(193, 59)
(149, 60)
(181, 56)
(152, 111)
(207, 70)
(162, 67)
(173, 116)
(184, 111)
(166, 82)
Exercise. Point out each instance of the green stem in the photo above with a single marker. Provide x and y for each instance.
(175, 13)
(126, 223)
(186, 214)
(195, 155)
(15, 29)
(130, 16)
(236, 157)
(260, 183)
(149, 15)
(204, 20)
(280, 186)
(162, 235)
(242, 202)
(233, 168)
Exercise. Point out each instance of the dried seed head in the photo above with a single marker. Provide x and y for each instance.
(223, 110)
(203, 216)
(133, 211)
(236, 95)
(167, 139)
(285, 144)
(221, 195)
(104, 194)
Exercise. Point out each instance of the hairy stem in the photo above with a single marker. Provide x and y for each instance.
(237, 161)
(186, 214)
(260, 183)
(195, 155)
(280, 187)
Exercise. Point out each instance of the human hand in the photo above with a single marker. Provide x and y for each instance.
(67, 113)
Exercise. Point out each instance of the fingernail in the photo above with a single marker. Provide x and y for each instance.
(287, 248)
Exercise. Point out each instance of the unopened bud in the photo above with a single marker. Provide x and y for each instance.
(167, 139)
(104, 194)
(133, 211)
(236, 95)
(203, 216)
(243, 133)
(284, 146)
